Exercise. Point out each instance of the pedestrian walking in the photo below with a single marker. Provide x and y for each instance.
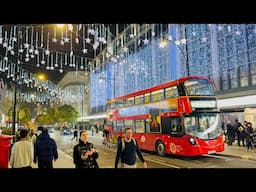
(127, 149)
(22, 152)
(75, 135)
(45, 150)
(105, 136)
(249, 132)
(84, 154)
(231, 133)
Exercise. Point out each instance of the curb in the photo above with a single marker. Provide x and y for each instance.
(248, 157)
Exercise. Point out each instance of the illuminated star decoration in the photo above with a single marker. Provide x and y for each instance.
(125, 49)
(66, 40)
(54, 40)
(131, 36)
(87, 40)
(204, 39)
(145, 41)
(238, 33)
(85, 51)
(219, 27)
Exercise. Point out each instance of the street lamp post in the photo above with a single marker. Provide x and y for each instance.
(177, 43)
(186, 46)
(15, 88)
(14, 104)
(185, 55)
(82, 95)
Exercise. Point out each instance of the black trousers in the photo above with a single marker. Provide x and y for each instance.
(45, 164)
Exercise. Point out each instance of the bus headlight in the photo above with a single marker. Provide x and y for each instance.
(191, 141)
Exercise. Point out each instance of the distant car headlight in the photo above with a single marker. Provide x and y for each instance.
(191, 141)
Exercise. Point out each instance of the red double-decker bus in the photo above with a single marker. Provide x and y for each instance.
(178, 117)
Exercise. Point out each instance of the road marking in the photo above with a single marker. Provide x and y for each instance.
(245, 156)
(68, 156)
(211, 166)
(155, 161)
(217, 157)
(161, 163)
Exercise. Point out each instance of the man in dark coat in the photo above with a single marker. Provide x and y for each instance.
(45, 150)
(231, 133)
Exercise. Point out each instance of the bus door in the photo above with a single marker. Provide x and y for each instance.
(173, 127)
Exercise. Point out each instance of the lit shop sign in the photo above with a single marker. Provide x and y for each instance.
(203, 104)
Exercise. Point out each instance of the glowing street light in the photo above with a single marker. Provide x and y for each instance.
(41, 76)
(60, 26)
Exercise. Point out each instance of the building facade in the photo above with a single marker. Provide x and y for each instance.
(150, 54)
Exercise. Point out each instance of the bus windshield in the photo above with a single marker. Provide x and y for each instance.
(202, 125)
(198, 87)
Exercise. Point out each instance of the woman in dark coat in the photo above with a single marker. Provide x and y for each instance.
(84, 155)
(248, 136)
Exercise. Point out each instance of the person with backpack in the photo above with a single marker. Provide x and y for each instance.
(127, 149)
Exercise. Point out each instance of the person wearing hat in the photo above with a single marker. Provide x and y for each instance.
(45, 150)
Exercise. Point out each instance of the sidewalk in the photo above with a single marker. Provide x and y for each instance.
(64, 161)
(239, 152)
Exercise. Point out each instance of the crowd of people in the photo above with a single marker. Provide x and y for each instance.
(33, 148)
(244, 133)
(39, 148)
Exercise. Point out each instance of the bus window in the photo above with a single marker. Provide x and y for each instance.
(190, 124)
(129, 123)
(181, 91)
(139, 99)
(140, 126)
(120, 126)
(130, 101)
(147, 126)
(120, 103)
(147, 98)
(171, 92)
(114, 126)
(172, 125)
(199, 87)
(203, 123)
(157, 95)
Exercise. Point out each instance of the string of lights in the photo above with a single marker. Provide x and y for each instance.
(217, 51)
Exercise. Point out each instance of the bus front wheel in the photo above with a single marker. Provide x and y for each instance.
(160, 148)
